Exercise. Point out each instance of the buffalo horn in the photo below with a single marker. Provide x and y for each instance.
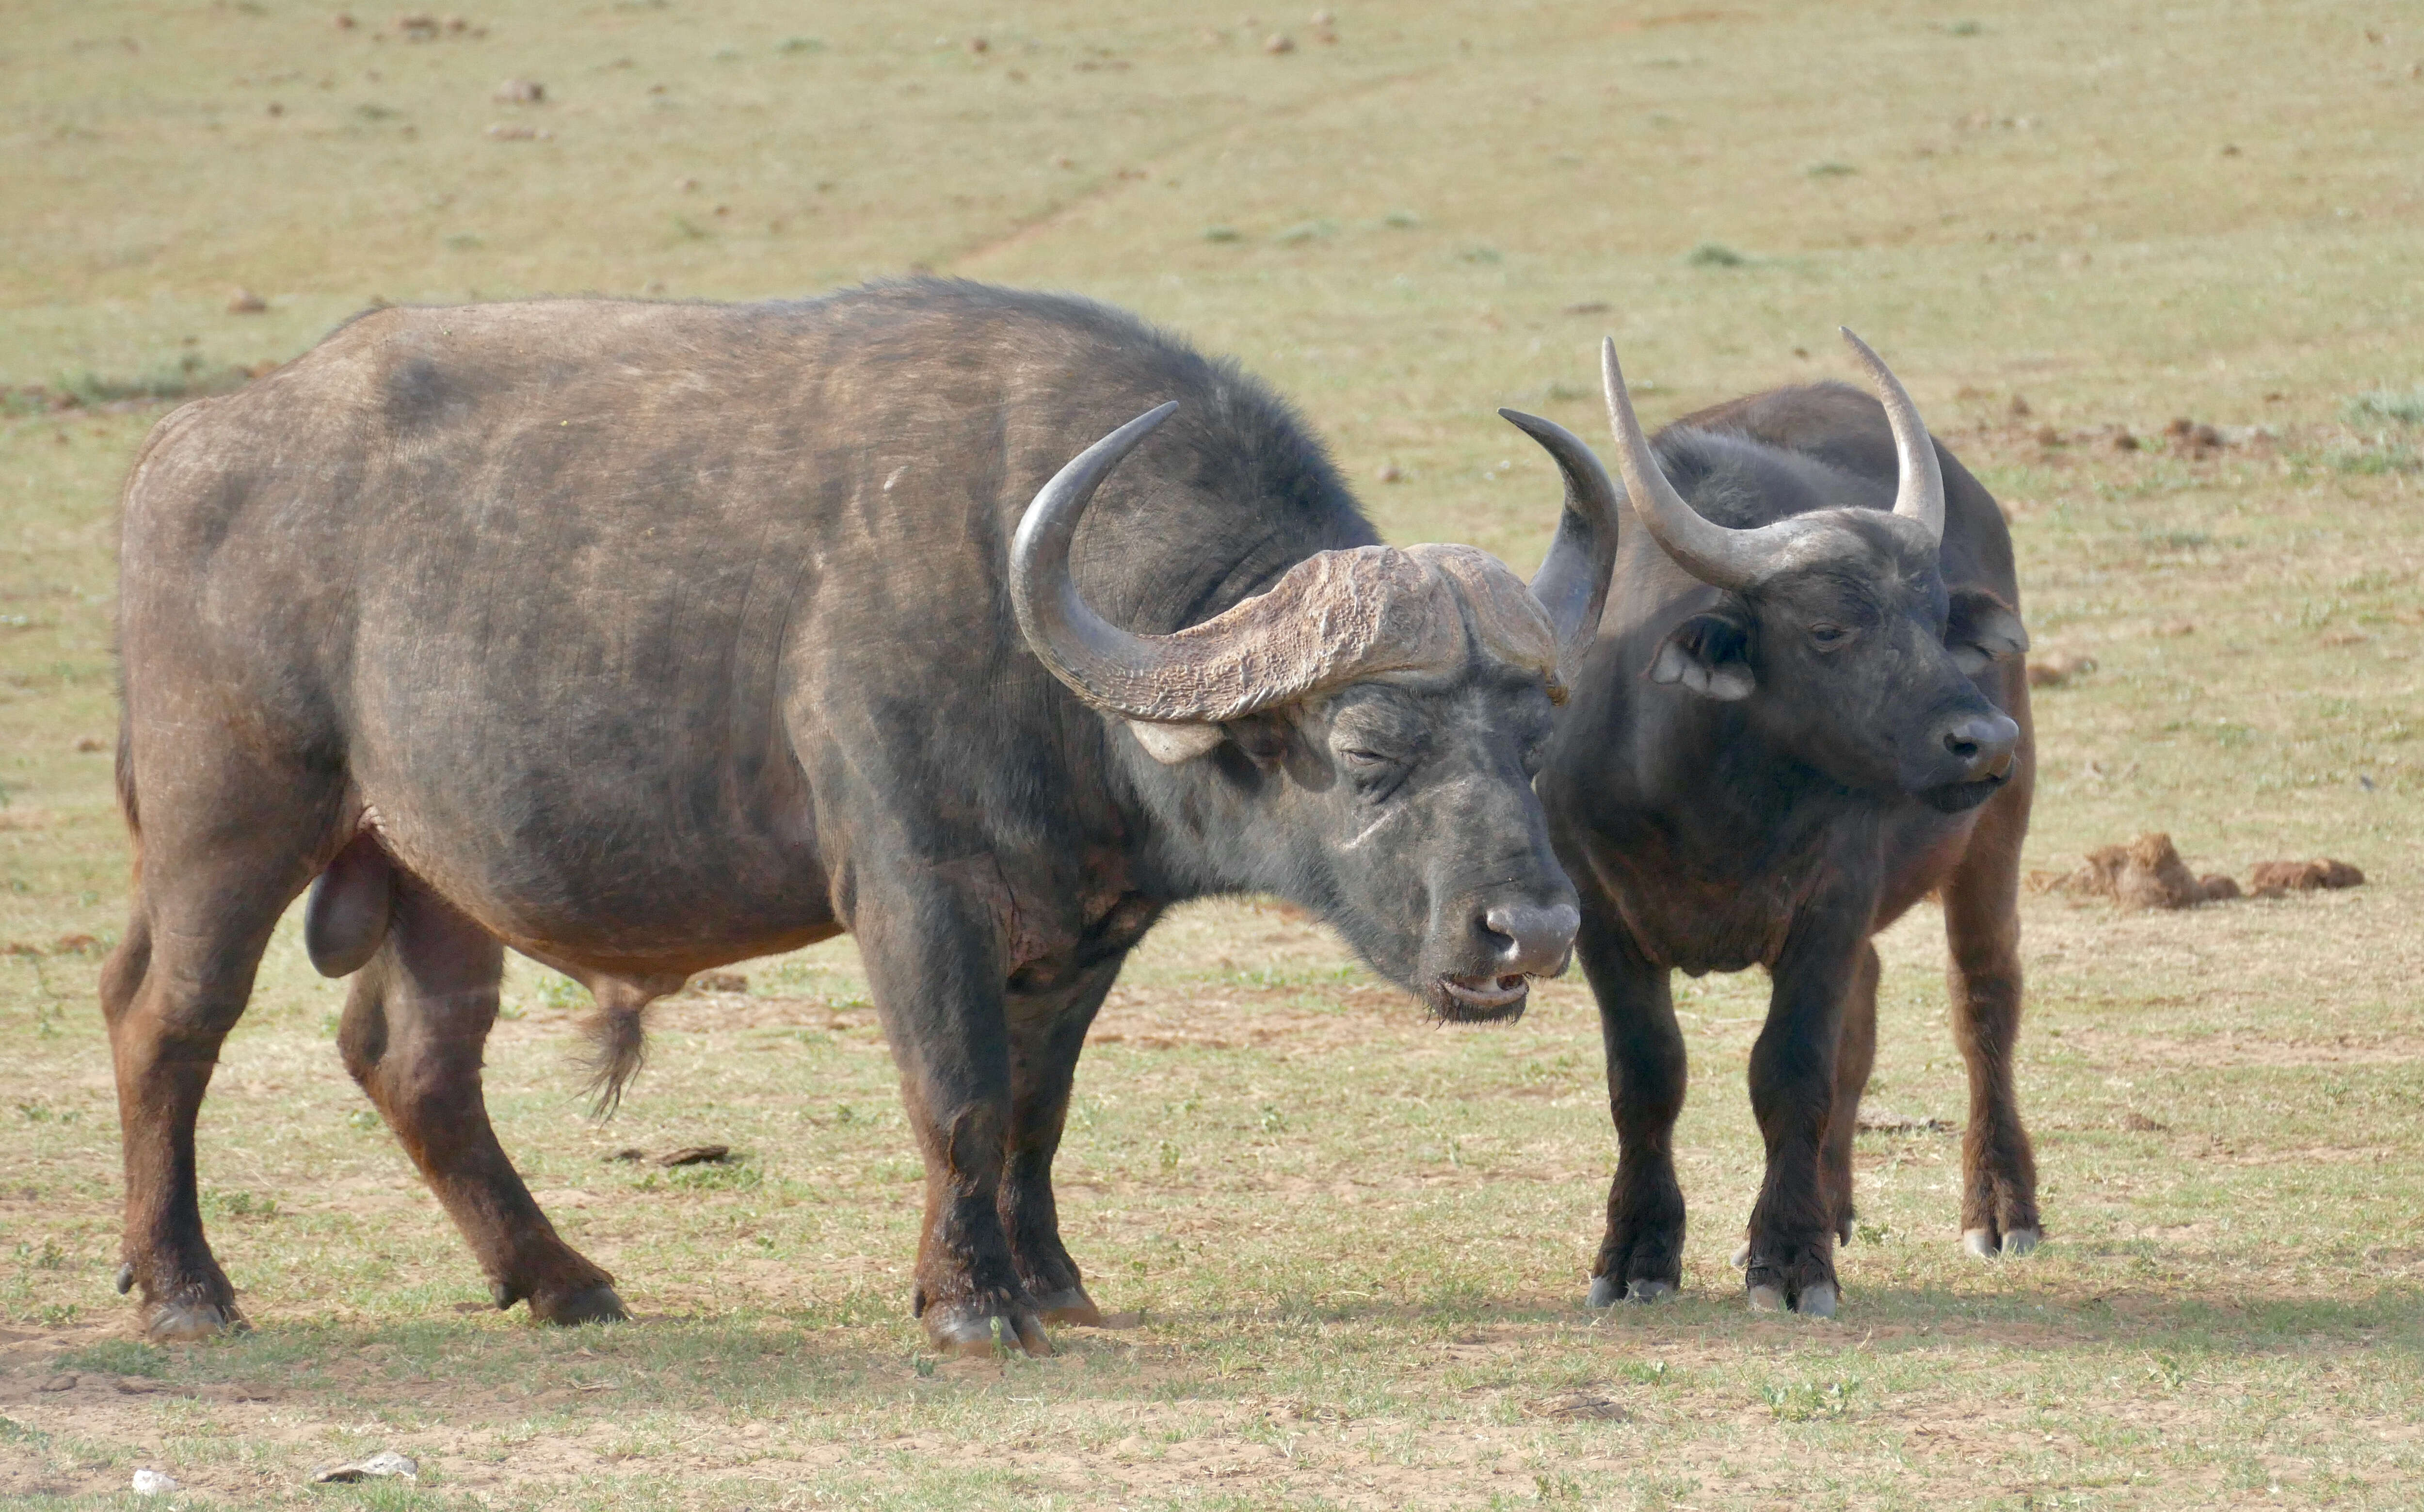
(1571, 583)
(1716, 555)
(1919, 494)
(1109, 667)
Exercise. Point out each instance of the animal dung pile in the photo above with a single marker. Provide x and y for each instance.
(2271, 879)
(2148, 873)
(2055, 668)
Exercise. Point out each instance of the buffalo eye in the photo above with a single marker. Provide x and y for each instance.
(1829, 637)
(1374, 774)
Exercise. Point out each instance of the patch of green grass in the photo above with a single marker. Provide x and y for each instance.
(1804, 1401)
(2396, 407)
(118, 1357)
(1714, 255)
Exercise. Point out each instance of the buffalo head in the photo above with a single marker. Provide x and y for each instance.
(1360, 738)
(1834, 627)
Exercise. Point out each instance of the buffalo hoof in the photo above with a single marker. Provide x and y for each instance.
(591, 1304)
(1817, 1300)
(1741, 1256)
(1980, 1243)
(977, 1332)
(185, 1319)
(1605, 1293)
(1071, 1306)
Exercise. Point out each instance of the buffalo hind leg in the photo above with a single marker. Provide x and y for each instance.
(1641, 1257)
(933, 953)
(415, 1026)
(1981, 925)
(205, 904)
(1856, 1055)
(1047, 1029)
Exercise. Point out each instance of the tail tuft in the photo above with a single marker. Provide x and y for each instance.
(618, 1045)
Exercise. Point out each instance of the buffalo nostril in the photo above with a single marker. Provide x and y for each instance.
(1982, 744)
(1531, 940)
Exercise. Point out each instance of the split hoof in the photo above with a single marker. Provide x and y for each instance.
(1980, 1243)
(183, 1322)
(591, 1304)
(1646, 1292)
(1817, 1300)
(983, 1334)
(1603, 1293)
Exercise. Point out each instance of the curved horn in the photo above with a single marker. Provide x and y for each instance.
(1105, 664)
(1716, 555)
(1920, 495)
(1571, 583)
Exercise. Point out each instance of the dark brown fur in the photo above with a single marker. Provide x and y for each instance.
(1785, 828)
(645, 638)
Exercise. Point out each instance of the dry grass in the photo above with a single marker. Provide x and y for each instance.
(1357, 1242)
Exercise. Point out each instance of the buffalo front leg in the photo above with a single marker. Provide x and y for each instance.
(1855, 1056)
(1981, 925)
(1047, 1029)
(933, 965)
(415, 1026)
(1789, 1259)
(1641, 1257)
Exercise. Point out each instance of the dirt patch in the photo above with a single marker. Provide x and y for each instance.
(2227, 1050)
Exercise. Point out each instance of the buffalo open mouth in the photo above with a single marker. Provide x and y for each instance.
(1479, 999)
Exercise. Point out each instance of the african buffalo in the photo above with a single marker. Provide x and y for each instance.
(642, 638)
(1805, 710)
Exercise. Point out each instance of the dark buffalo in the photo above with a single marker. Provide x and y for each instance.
(1805, 713)
(641, 638)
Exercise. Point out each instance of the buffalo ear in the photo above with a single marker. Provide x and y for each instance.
(1705, 654)
(1983, 630)
(1171, 744)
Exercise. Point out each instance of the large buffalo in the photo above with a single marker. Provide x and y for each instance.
(641, 638)
(1805, 711)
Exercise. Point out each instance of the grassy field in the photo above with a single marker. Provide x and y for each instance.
(1357, 1243)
